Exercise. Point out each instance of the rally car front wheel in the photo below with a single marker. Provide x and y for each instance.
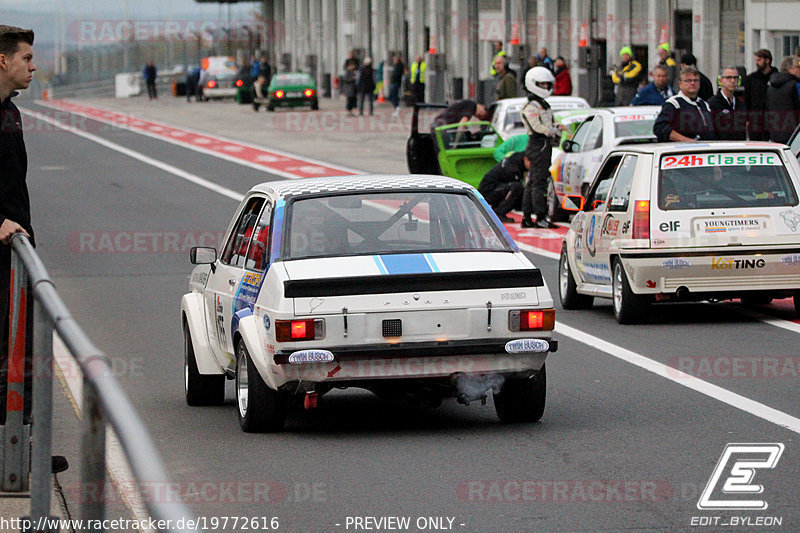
(554, 210)
(200, 389)
(259, 408)
(522, 399)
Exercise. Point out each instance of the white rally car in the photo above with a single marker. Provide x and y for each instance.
(695, 221)
(404, 285)
(601, 130)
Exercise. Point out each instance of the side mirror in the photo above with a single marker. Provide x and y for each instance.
(597, 203)
(573, 202)
(200, 255)
(567, 146)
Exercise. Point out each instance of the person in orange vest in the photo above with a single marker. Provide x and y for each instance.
(627, 77)
(418, 68)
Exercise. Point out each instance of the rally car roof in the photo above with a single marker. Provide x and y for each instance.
(699, 146)
(357, 183)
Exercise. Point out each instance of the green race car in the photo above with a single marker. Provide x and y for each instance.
(292, 89)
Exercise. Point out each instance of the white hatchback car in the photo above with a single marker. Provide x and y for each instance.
(507, 118)
(601, 130)
(695, 221)
(404, 285)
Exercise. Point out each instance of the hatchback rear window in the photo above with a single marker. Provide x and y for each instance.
(724, 180)
(634, 126)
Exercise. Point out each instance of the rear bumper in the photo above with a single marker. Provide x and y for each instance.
(413, 361)
(708, 272)
(219, 92)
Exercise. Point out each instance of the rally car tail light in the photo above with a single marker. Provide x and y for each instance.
(279, 94)
(641, 219)
(299, 330)
(239, 83)
(532, 320)
(212, 84)
(309, 93)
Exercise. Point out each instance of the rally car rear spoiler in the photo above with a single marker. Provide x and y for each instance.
(394, 283)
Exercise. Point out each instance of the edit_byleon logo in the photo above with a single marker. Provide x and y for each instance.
(731, 486)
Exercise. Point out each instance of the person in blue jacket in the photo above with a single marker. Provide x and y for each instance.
(657, 91)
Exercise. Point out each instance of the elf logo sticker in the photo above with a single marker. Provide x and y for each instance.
(737, 467)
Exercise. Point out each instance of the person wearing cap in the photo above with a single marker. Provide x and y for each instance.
(755, 94)
(627, 77)
(706, 89)
(685, 117)
(665, 60)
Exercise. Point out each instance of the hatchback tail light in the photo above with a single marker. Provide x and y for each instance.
(299, 330)
(239, 83)
(279, 94)
(212, 84)
(309, 93)
(641, 219)
(532, 320)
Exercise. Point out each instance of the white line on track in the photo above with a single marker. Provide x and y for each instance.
(193, 178)
(681, 378)
(203, 150)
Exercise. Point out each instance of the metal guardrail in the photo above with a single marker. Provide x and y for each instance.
(103, 403)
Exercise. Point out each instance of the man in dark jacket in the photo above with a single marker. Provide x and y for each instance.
(16, 72)
(395, 81)
(685, 116)
(706, 90)
(149, 73)
(502, 185)
(366, 86)
(783, 101)
(728, 112)
(755, 94)
(657, 91)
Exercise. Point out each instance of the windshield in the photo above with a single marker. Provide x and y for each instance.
(634, 126)
(390, 222)
(724, 180)
(292, 79)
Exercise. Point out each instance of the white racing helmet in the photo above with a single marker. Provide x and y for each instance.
(539, 81)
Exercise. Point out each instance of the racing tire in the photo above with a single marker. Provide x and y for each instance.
(554, 211)
(315, 105)
(567, 288)
(259, 408)
(522, 399)
(200, 389)
(629, 308)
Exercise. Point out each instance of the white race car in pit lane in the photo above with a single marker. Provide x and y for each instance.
(404, 285)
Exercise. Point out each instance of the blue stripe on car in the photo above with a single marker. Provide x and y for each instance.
(405, 264)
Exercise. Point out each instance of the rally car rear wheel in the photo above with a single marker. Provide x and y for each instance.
(629, 307)
(567, 291)
(200, 389)
(259, 408)
(522, 399)
(797, 303)
(554, 211)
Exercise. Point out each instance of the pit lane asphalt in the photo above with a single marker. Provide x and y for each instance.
(605, 419)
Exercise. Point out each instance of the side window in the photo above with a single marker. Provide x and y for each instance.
(602, 183)
(258, 253)
(236, 248)
(621, 190)
(594, 137)
(580, 135)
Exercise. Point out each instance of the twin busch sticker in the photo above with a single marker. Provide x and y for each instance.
(720, 160)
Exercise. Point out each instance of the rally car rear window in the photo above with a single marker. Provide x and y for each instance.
(724, 180)
(634, 126)
(393, 222)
